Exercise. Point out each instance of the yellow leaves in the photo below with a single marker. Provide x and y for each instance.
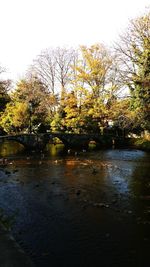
(19, 113)
(93, 70)
(91, 112)
(15, 115)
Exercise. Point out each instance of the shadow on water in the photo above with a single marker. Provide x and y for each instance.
(78, 208)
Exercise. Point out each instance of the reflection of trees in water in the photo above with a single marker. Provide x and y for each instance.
(9, 148)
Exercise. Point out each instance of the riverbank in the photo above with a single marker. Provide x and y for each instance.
(141, 144)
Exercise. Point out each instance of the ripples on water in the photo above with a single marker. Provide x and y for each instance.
(78, 209)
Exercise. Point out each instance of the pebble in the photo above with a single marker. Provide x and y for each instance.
(7, 172)
(78, 192)
(15, 170)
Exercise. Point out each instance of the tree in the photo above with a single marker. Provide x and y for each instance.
(29, 94)
(4, 98)
(94, 82)
(94, 68)
(65, 58)
(4, 88)
(15, 118)
(44, 67)
(134, 57)
(53, 67)
(72, 118)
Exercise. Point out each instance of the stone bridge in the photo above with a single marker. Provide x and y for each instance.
(70, 140)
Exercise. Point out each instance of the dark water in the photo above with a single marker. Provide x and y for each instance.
(85, 209)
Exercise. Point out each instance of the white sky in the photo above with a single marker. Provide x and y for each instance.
(29, 26)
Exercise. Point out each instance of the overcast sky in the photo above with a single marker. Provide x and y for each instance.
(29, 26)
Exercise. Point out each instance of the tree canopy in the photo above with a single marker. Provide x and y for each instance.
(79, 90)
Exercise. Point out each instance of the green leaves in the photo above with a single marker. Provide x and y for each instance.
(134, 56)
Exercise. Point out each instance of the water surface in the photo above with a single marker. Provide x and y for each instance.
(72, 208)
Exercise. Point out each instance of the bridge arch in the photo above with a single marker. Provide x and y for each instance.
(94, 141)
(55, 138)
(10, 147)
(29, 141)
(70, 140)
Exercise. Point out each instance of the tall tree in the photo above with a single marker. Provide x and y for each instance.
(93, 81)
(53, 67)
(44, 67)
(30, 102)
(72, 116)
(134, 58)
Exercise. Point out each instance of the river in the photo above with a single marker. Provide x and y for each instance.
(78, 208)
